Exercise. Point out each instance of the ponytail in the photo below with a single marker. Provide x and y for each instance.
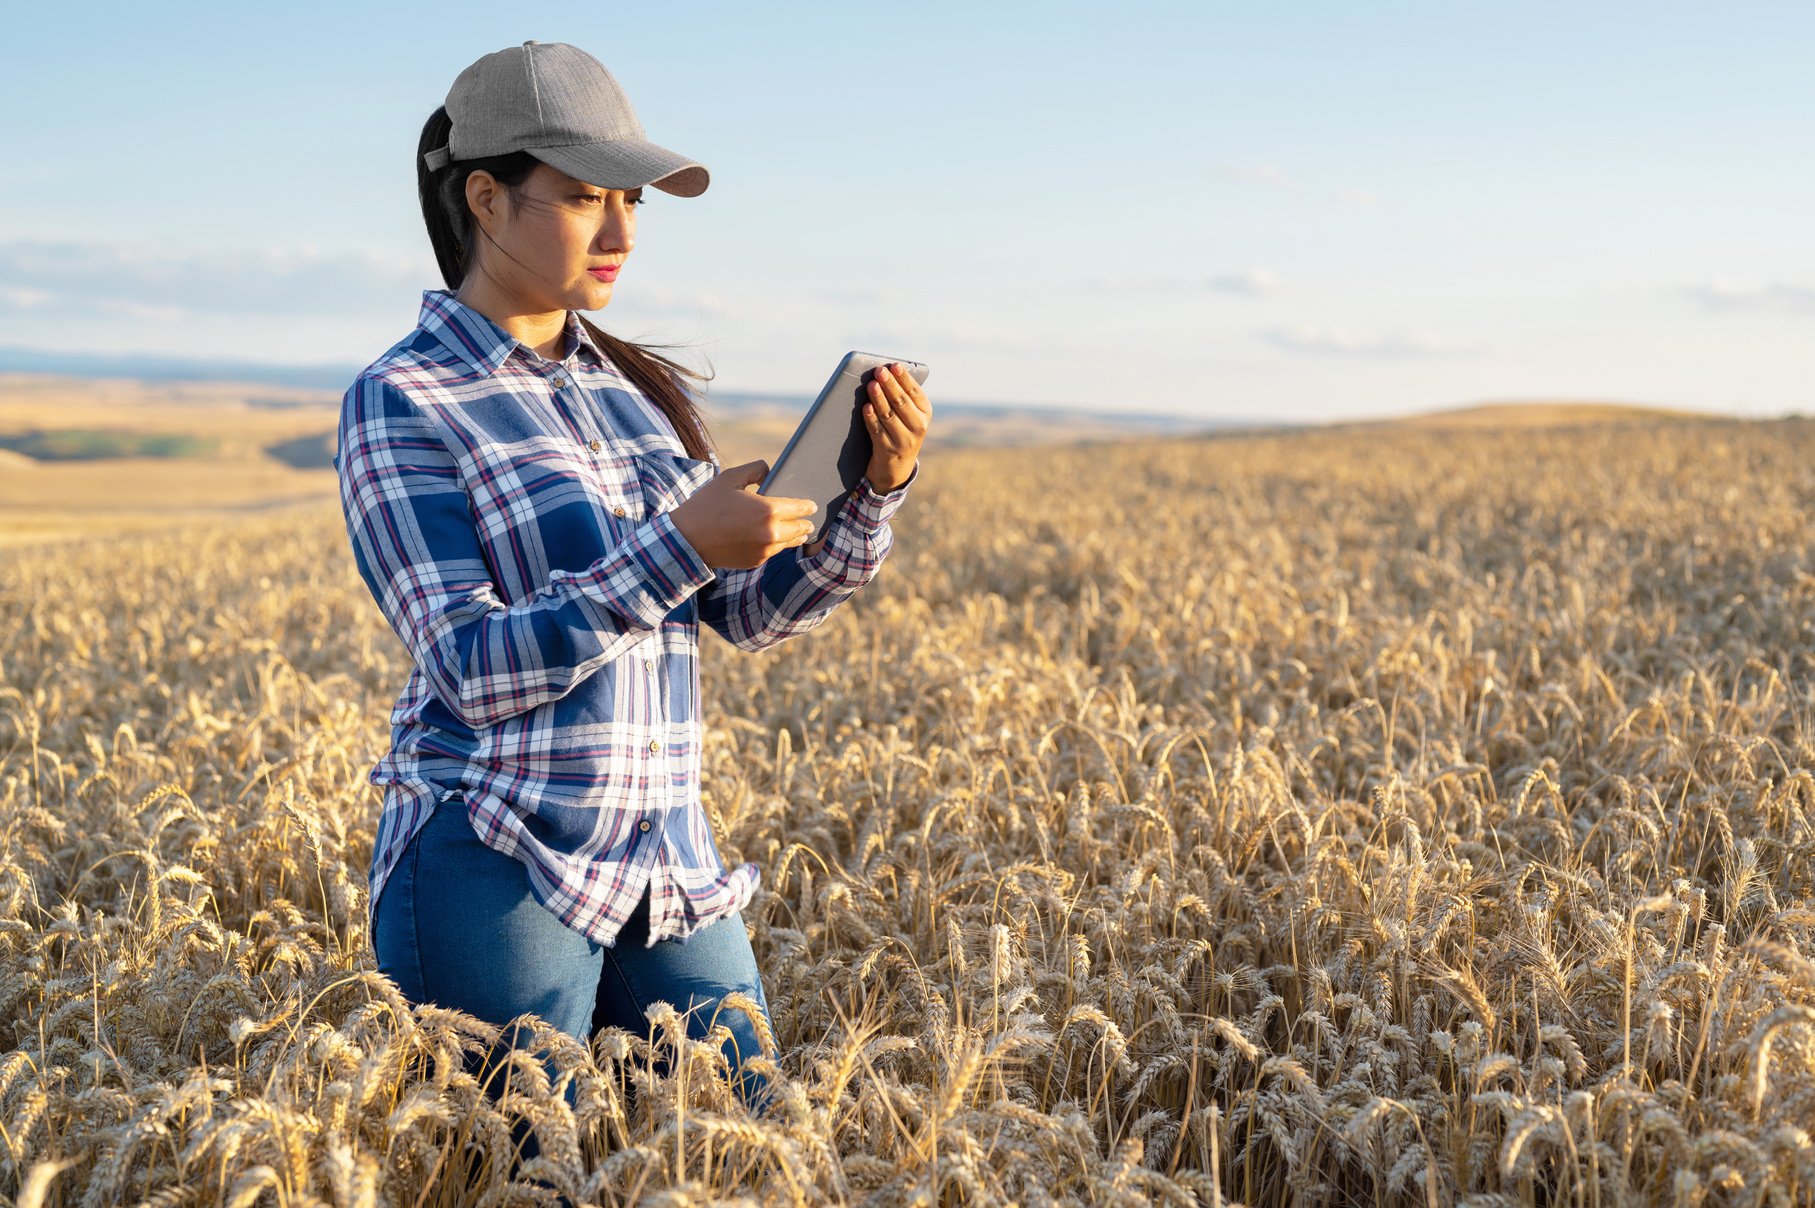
(449, 220)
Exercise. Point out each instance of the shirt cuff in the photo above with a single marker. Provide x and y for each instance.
(871, 508)
(667, 569)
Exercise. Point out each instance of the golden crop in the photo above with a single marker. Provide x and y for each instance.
(1383, 816)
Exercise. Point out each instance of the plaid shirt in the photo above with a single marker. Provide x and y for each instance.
(510, 515)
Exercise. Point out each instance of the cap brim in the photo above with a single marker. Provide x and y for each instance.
(625, 164)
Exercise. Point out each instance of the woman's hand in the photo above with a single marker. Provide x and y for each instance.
(897, 416)
(729, 525)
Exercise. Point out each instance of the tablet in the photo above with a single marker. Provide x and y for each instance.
(827, 455)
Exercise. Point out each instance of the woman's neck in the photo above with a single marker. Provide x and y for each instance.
(542, 331)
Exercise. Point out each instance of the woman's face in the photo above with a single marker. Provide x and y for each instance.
(545, 248)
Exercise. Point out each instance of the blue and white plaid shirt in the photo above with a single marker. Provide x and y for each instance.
(510, 515)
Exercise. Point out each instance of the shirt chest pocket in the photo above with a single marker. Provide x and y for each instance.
(665, 479)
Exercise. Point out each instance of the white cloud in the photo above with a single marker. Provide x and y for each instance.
(158, 281)
(1777, 297)
(955, 336)
(22, 297)
(1253, 282)
(1356, 197)
(1249, 282)
(1341, 341)
(126, 308)
(184, 285)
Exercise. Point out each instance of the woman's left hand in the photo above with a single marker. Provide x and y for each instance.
(897, 416)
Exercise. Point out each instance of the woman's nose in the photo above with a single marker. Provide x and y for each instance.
(619, 228)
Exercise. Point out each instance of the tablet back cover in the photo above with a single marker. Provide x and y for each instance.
(830, 450)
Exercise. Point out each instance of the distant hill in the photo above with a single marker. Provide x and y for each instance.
(96, 444)
(106, 448)
(1537, 413)
(150, 368)
(315, 452)
(982, 423)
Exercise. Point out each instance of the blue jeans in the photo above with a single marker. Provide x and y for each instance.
(456, 925)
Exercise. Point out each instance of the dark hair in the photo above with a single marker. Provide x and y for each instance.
(450, 225)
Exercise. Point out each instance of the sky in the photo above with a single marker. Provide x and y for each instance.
(1303, 211)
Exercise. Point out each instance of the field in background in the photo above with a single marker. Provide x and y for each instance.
(1387, 815)
(273, 446)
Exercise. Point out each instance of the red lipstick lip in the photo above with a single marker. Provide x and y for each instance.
(607, 273)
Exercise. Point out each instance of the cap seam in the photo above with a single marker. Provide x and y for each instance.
(535, 85)
(594, 142)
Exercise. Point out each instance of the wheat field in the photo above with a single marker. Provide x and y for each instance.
(1389, 816)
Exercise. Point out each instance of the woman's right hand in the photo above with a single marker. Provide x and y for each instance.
(730, 526)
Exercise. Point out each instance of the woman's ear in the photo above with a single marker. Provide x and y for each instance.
(484, 197)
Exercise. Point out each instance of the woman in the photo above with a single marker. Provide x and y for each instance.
(534, 506)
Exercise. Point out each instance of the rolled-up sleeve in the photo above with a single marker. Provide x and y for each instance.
(792, 593)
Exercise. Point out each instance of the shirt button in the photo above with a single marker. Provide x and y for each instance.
(655, 744)
(643, 825)
(559, 381)
(618, 510)
(595, 446)
(649, 663)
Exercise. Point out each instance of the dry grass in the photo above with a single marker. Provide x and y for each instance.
(1374, 817)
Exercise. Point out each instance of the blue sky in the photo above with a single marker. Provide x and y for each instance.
(1307, 211)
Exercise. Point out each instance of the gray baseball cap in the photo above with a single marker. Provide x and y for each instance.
(559, 103)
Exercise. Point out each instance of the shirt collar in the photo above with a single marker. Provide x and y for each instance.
(484, 346)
